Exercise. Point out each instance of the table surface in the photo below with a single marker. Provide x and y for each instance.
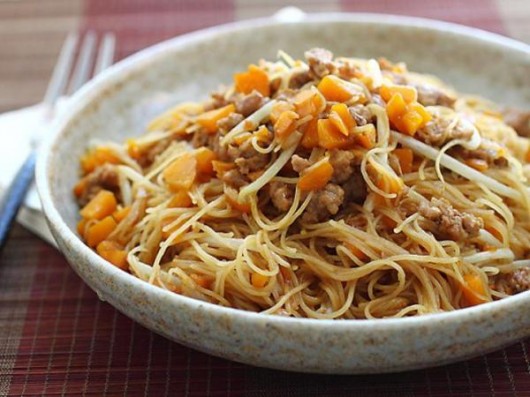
(58, 338)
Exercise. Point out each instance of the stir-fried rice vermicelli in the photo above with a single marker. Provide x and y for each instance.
(325, 188)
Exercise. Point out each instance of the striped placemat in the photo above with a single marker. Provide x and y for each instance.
(58, 338)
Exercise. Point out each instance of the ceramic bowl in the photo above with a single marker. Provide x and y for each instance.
(118, 104)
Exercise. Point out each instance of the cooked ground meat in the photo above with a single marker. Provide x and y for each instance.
(361, 114)
(437, 132)
(298, 79)
(355, 187)
(299, 163)
(217, 100)
(343, 162)
(230, 121)
(518, 120)
(247, 158)
(325, 202)
(430, 95)
(248, 104)
(235, 178)
(488, 152)
(281, 195)
(347, 71)
(513, 283)
(320, 61)
(448, 222)
(103, 177)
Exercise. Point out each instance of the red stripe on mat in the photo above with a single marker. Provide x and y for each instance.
(481, 14)
(138, 24)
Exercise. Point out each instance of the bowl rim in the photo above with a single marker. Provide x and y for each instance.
(139, 60)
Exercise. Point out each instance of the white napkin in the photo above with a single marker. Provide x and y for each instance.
(24, 125)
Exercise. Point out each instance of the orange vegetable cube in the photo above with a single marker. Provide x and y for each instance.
(309, 102)
(258, 280)
(80, 187)
(204, 157)
(473, 290)
(100, 231)
(180, 199)
(366, 138)
(310, 138)
(209, 119)
(335, 89)
(278, 108)
(220, 167)
(81, 226)
(405, 157)
(254, 79)
(389, 184)
(103, 204)
(96, 157)
(341, 117)
(113, 253)
(409, 94)
(121, 213)
(316, 176)
(133, 149)
(410, 122)
(231, 197)
(286, 124)
(181, 173)
(396, 107)
(420, 109)
(329, 137)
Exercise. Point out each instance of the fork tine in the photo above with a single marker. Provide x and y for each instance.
(61, 71)
(83, 64)
(106, 53)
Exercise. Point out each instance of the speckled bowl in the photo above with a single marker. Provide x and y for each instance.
(120, 101)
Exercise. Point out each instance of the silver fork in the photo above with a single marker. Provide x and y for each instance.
(62, 82)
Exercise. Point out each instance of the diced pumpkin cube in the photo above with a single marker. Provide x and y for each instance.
(220, 167)
(285, 125)
(103, 204)
(316, 176)
(258, 280)
(253, 79)
(405, 157)
(99, 231)
(209, 119)
(181, 199)
(473, 290)
(181, 173)
(335, 89)
(341, 117)
(113, 253)
(408, 93)
(278, 108)
(309, 103)
(329, 137)
(205, 157)
(121, 213)
(310, 137)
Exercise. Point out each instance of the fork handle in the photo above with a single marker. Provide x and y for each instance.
(14, 196)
